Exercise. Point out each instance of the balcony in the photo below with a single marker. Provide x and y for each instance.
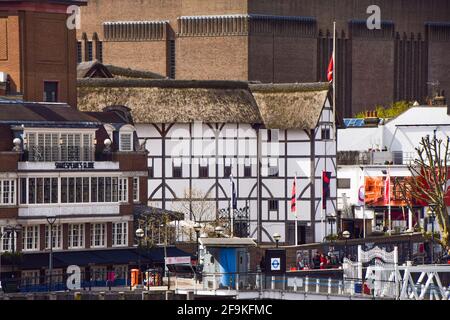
(60, 158)
(346, 158)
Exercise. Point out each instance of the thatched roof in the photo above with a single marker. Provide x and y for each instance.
(95, 69)
(170, 101)
(120, 72)
(287, 106)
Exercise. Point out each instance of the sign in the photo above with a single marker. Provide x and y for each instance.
(275, 261)
(178, 260)
(75, 165)
(74, 277)
(275, 264)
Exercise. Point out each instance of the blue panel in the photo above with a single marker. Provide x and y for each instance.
(227, 261)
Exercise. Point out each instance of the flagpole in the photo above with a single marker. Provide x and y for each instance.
(334, 80)
(389, 197)
(296, 212)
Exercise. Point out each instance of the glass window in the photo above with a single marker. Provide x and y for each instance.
(50, 91)
(136, 189)
(120, 234)
(7, 192)
(123, 190)
(86, 189)
(98, 235)
(30, 238)
(126, 142)
(93, 189)
(56, 237)
(76, 236)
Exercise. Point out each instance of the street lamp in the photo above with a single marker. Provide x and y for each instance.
(331, 221)
(276, 237)
(197, 229)
(346, 235)
(219, 231)
(51, 221)
(431, 217)
(139, 234)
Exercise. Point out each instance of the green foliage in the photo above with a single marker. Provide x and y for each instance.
(393, 111)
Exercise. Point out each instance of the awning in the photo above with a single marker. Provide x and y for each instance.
(98, 257)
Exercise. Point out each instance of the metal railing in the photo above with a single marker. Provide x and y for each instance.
(375, 157)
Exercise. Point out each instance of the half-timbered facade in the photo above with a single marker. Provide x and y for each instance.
(199, 133)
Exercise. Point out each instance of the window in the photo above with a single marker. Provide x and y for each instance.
(177, 168)
(100, 51)
(30, 238)
(50, 91)
(273, 167)
(172, 60)
(273, 135)
(343, 183)
(120, 234)
(98, 235)
(79, 52)
(8, 241)
(227, 169)
(76, 236)
(326, 133)
(273, 205)
(56, 237)
(126, 143)
(136, 189)
(203, 170)
(7, 192)
(51, 147)
(247, 168)
(89, 49)
(123, 190)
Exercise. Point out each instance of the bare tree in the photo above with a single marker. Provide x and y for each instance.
(157, 228)
(197, 207)
(429, 184)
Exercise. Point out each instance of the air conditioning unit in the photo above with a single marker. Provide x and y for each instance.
(3, 77)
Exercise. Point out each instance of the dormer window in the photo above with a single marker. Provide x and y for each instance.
(126, 138)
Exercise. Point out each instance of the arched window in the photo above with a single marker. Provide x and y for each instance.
(126, 138)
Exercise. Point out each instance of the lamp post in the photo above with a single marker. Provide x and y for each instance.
(346, 236)
(51, 221)
(12, 230)
(139, 235)
(218, 231)
(331, 221)
(276, 237)
(197, 229)
(431, 217)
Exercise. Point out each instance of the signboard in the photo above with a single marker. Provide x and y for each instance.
(178, 260)
(275, 261)
(75, 165)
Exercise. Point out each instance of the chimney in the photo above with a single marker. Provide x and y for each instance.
(371, 119)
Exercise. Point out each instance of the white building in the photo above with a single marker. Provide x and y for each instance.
(363, 152)
(199, 132)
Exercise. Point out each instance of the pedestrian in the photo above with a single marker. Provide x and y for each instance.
(316, 261)
(323, 261)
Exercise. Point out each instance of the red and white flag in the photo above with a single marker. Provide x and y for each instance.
(294, 197)
(330, 74)
(387, 190)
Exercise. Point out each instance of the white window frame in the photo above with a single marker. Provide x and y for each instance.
(6, 241)
(123, 190)
(80, 234)
(98, 230)
(120, 228)
(127, 130)
(11, 194)
(35, 235)
(57, 236)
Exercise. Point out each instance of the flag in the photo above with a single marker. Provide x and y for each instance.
(387, 190)
(330, 75)
(233, 193)
(326, 178)
(294, 197)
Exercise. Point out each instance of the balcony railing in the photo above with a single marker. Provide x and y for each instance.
(375, 157)
(64, 154)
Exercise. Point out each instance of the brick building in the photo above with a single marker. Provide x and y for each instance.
(39, 66)
(278, 41)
